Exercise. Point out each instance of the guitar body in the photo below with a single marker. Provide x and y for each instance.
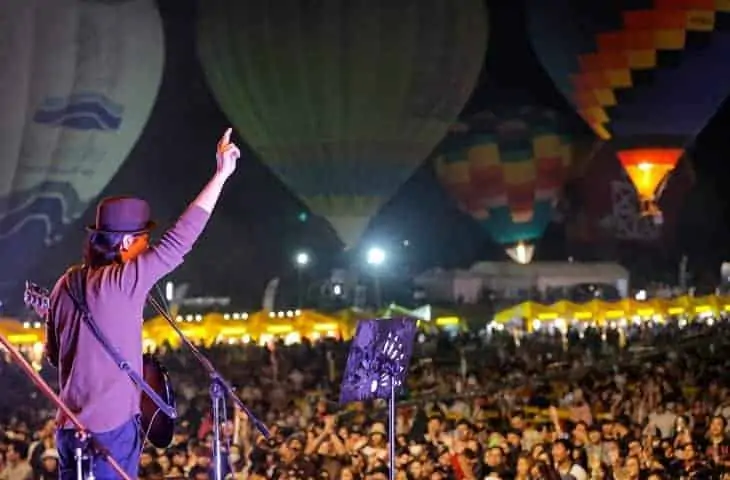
(158, 427)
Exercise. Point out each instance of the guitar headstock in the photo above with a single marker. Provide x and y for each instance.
(37, 298)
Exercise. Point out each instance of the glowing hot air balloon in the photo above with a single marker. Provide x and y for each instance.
(507, 171)
(646, 75)
(604, 205)
(79, 79)
(343, 99)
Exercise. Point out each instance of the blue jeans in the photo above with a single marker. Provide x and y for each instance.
(124, 444)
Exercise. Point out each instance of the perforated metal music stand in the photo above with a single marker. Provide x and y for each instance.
(377, 367)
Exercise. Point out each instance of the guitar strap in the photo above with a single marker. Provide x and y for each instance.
(76, 287)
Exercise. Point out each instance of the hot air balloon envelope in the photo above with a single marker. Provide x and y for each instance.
(79, 81)
(507, 170)
(646, 75)
(343, 99)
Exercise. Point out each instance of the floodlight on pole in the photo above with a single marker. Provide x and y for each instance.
(376, 256)
(302, 259)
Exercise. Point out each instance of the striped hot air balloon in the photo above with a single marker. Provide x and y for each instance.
(507, 171)
(646, 75)
(78, 81)
(343, 99)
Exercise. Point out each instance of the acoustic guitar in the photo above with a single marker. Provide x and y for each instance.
(157, 427)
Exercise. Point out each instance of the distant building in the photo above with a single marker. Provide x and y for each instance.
(507, 280)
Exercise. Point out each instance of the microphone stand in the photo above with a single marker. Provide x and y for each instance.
(219, 389)
(89, 446)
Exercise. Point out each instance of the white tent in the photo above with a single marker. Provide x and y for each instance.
(509, 278)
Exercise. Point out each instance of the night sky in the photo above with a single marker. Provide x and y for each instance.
(256, 230)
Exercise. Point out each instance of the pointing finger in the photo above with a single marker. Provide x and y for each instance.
(225, 139)
(227, 136)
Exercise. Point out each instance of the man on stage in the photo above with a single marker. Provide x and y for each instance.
(122, 268)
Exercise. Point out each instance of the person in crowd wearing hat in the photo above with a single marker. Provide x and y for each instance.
(45, 442)
(121, 267)
(49, 465)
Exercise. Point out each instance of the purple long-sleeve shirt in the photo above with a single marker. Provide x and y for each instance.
(91, 384)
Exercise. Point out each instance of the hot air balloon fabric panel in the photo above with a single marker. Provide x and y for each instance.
(506, 230)
(342, 99)
(78, 84)
(640, 72)
(507, 170)
(648, 168)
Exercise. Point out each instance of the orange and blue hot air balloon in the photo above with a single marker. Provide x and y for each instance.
(646, 75)
(507, 171)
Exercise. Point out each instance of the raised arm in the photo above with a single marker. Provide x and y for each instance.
(140, 274)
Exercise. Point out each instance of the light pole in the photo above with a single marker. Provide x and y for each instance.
(375, 258)
(301, 260)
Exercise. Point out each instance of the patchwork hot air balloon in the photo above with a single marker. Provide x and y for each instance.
(646, 75)
(507, 171)
(78, 82)
(343, 99)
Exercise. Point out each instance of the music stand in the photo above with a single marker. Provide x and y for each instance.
(377, 366)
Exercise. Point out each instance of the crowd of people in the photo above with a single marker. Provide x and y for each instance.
(541, 406)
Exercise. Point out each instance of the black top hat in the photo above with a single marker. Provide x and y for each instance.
(122, 215)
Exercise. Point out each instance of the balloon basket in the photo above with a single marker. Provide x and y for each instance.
(649, 208)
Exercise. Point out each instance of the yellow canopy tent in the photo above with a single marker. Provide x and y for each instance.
(261, 326)
(267, 326)
(522, 316)
(429, 318)
(707, 305)
(313, 324)
(680, 306)
(604, 312)
(564, 309)
(654, 308)
(349, 317)
(601, 312)
(27, 337)
(157, 331)
(439, 318)
(155, 326)
(230, 329)
(724, 301)
(19, 333)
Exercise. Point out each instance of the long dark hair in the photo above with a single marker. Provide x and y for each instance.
(546, 472)
(102, 248)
